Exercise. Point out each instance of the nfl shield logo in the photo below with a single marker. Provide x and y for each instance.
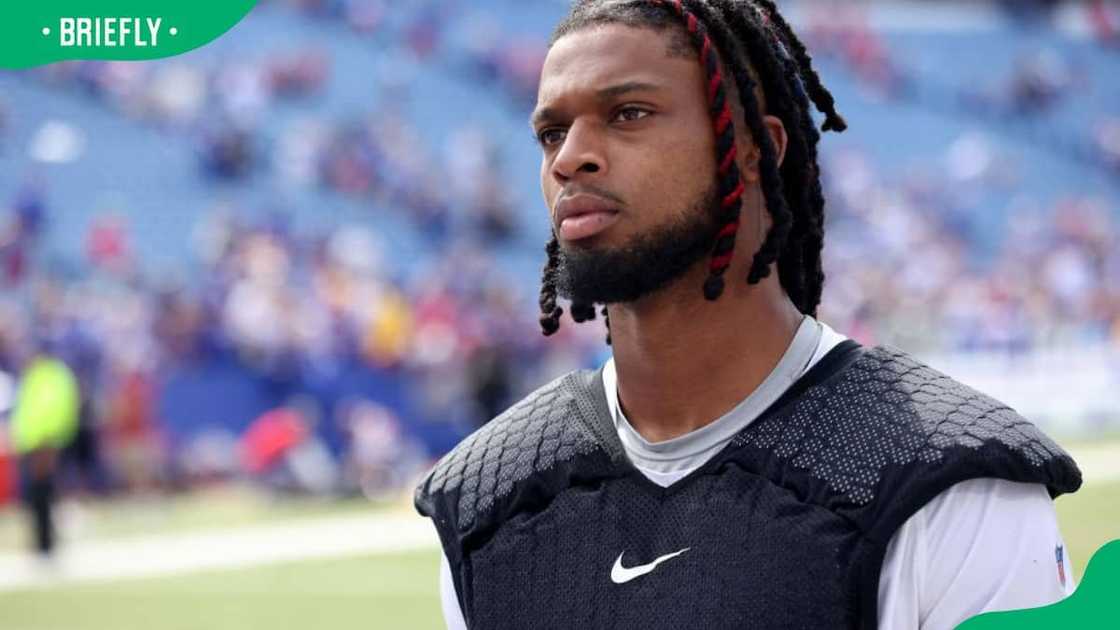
(1059, 552)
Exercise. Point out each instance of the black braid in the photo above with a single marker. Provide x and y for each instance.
(550, 312)
(822, 98)
(753, 30)
(799, 71)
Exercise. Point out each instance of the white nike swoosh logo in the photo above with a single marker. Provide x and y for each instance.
(622, 575)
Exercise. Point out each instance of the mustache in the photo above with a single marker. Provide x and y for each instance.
(587, 189)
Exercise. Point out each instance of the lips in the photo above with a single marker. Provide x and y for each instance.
(583, 216)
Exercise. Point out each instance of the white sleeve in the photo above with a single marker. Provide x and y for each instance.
(452, 614)
(983, 545)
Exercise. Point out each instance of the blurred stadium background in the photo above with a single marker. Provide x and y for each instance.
(289, 269)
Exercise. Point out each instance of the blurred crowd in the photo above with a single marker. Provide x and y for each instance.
(906, 261)
(383, 160)
(1051, 277)
(294, 309)
(1033, 98)
(903, 264)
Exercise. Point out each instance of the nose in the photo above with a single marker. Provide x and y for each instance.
(583, 152)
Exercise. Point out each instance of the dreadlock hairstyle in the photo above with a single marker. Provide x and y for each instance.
(726, 34)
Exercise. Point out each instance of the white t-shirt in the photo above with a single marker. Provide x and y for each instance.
(982, 545)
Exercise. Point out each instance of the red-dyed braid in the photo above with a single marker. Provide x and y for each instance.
(730, 179)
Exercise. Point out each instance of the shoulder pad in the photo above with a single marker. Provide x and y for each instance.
(550, 426)
(886, 411)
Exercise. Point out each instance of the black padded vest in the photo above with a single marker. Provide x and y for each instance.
(785, 528)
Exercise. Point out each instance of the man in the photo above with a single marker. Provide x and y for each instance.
(737, 464)
(44, 421)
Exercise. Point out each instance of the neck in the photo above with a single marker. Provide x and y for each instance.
(683, 362)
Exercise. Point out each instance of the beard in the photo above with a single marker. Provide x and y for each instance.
(648, 263)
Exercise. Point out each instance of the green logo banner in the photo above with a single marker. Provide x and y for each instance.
(1093, 605)
(36, 33)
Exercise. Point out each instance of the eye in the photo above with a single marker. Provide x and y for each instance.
(550, 136)
(631, 113)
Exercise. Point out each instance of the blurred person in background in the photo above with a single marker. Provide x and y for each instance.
(44, 422)
(20, 233)
(130, 431)
(380, 457)
(282, 450)
(83, 469)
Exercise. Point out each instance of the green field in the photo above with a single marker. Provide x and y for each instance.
(382, 591)
(388, 591)
(1089, 519)
(215, 508)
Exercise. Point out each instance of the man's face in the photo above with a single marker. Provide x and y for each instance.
(628, 168)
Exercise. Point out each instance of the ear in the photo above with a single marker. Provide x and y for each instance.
(777, 131)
